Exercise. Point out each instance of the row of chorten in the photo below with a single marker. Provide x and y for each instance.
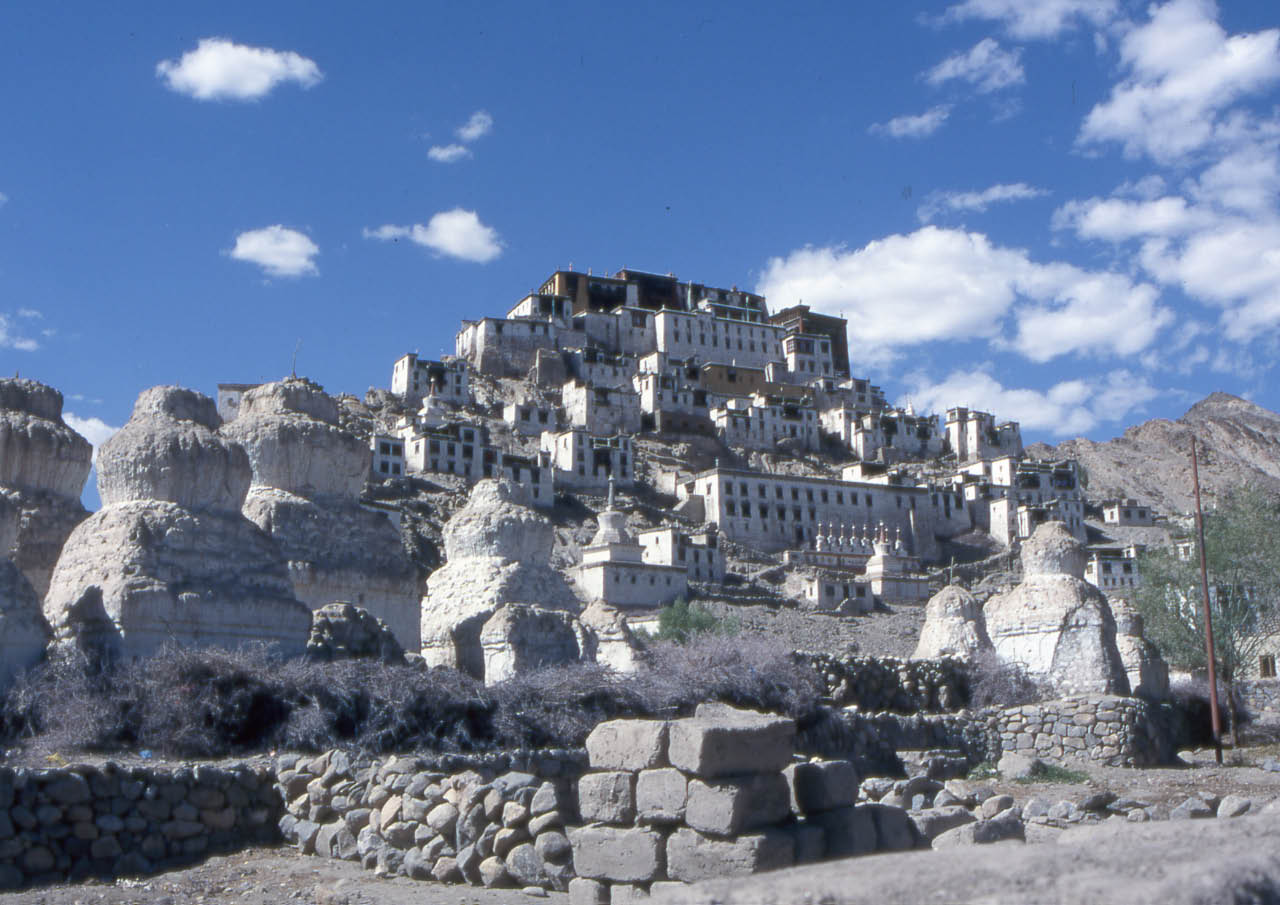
(858, 540)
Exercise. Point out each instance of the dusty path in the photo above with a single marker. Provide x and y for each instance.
(269, 877)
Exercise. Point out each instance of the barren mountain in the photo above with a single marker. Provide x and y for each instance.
(1239, 444)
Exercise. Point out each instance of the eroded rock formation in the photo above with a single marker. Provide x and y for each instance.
(1147, 671)
(953, 626)
(308, 474)
(343, 631)
(1054, 624)
(23, 630)
(519, 637)
(497, 552)
(43, 467)
(169, 557)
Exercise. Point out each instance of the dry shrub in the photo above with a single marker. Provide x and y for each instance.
(998, 683)
(186, 702)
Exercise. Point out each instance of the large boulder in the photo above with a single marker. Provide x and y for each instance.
(308, 474)
(343, 631)
(498, 552)
(953, 626)
(610, 639)
(169, 557)
(1054, 624)
(43, 467)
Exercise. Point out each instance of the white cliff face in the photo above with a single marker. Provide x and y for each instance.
(953, 626)
(1054, 624)
(37, 450)
(308, 474)
(169, 557)
(169, 450)
(499, 552)
(290, 431)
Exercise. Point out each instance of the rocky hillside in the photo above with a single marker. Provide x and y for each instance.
(1239, 442)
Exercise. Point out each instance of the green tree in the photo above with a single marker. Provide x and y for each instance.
(1242, 548)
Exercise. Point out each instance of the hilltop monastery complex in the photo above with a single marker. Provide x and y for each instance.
(598, 362)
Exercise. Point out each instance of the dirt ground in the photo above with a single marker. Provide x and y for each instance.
(268, 877)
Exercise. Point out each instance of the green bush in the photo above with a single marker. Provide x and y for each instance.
(681, 622)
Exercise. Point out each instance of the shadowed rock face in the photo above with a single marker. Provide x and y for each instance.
(1054, 624)
(169, 557)
(498, 552)
(43, 467)
(23, 630)
(308, 474)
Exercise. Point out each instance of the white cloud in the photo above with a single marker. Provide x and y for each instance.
(477, 126)
(279, 251)
(95, 430)
(917, 126)
(953, 285)
(10, 339)
(1183, 72)
(1027, 19)
(1064, 409)
(1117, 219)
(4, 199)
(937, 202)
(448, 153)
(219, 69)
(985, 66)
(30, 314)
(457, 234)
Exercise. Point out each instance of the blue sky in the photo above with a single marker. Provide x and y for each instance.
(1065, 211)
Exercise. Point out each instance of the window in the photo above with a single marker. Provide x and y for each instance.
(1267, 666)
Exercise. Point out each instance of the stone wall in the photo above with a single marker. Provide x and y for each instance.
(493, 820)
(891, 684)
(1116, 731)
(109, 821)
(717, 795)
(1260, 694)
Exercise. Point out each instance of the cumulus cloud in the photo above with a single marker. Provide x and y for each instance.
(950, 285)
(985, 66)
(457, 233)
(913, 126)
(219, 69)
(448, 153)
(1183, 72)
(938, 202)
(95, 430)
(1067, 408)
(12, 338)
(1035, 19)
(278, 250)
(477, 126)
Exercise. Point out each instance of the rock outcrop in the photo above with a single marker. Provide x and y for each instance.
(1055, 625)
(953, 626)
(169, 557)
(43, 467)
(610, 640)
(308, 474)
(497, 551)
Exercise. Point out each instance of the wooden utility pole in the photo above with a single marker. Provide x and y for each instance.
(1214, 715)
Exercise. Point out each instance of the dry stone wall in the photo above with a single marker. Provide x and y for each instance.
(494, 821)
(110, 821)
(888, 683)
(1116, 731)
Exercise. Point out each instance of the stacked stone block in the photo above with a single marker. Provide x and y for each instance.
(716, 795)
(108, 821)
(408, 817)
